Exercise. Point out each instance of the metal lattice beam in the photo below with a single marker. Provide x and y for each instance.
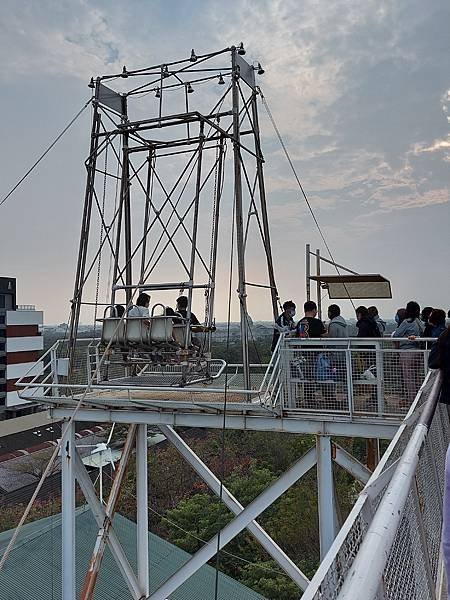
(289, 567)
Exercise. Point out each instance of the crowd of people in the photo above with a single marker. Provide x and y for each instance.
(411, 323)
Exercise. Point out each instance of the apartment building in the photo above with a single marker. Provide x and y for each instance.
(20, 346)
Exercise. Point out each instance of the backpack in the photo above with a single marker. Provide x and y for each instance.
(324, 368)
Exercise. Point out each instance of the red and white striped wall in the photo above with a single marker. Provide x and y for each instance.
(23, 344)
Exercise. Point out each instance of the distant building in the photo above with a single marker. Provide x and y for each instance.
(20, 345)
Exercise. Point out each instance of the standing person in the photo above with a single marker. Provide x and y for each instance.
(284, 323)
(439, 358)
(400, 316)
(424, 316)
(373, 312)
(410, 362)
(337, 327)
(309, 326)
(367, 326)
(436, 322)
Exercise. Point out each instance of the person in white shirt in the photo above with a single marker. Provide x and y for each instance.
(140, 309)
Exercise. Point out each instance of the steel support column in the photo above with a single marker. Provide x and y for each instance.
(263, 203)
(68, 511)
(239, 221)
(142, 508)
(100, 516)
(325, 485)
(232, 503)
(230, 531)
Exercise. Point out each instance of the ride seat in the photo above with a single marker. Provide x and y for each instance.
(136, 330)
(113, 331)
(160, 330)
(179, 335)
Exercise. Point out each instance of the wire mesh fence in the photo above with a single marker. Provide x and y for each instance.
(350, 376)
(411, 568)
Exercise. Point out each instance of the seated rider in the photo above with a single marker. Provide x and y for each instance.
(182, 304)
(140, 309)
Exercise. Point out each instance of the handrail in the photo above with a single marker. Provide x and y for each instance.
(311, 593)
(364, 582)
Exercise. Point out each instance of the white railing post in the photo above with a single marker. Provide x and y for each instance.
(348, 366)
(380, 378)
(54, 368)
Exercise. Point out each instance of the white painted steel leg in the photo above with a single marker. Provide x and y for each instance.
(230, 531)
(142, 508)
(68, 511)
(288, 566)
(99, 514)
(325, 492)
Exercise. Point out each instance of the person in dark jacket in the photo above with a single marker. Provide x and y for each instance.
(367, 326)
(373, 312)
(284, 323)
(436, 320)
(424, 316)
(439, 358)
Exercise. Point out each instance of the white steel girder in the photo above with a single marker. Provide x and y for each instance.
(302, 425)
(68, 450)
(240, 522)
(271, 547)
(99, 513)
(348, 462)
(325, 492)
(142, 508)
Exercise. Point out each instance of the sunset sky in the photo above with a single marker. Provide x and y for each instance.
(360, 91)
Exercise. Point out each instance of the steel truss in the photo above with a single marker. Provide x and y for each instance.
(322, 456)
(155, 188)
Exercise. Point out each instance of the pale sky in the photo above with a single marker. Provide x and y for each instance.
(359, 89)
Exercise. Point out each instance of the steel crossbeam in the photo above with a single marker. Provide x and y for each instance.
(233, 504)
(348, 462)
(240, 522)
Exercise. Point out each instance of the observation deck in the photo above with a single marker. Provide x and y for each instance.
(356, 387)
(373, 388)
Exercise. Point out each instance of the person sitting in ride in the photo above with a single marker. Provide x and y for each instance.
(182, 304)
(140, 309)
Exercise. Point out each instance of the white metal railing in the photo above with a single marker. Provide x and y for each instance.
(350, 376)
(389, 546)
(347, 377)
(26, 307)
(90, 374)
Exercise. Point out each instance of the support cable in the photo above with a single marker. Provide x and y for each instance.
(308, 204)
(44, 154)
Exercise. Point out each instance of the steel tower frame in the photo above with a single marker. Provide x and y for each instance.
(191, 134)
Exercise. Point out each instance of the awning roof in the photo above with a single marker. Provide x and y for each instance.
(366, 286)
